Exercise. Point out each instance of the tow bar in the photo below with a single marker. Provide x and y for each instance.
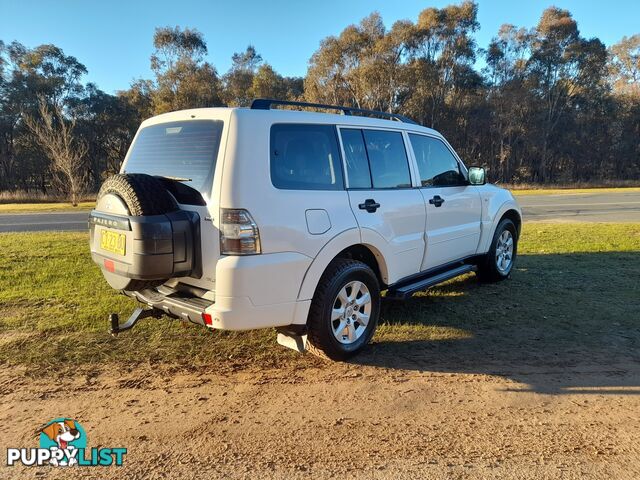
(138, 314)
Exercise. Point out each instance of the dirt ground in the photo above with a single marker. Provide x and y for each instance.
(396, 413)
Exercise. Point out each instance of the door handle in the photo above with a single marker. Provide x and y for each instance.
(370, 205)
(437, 200)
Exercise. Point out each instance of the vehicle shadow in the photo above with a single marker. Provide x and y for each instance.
(562, 323)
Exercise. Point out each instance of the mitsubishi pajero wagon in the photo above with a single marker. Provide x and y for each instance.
(263, 217)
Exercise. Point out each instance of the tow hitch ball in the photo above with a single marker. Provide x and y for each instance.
(138, 314)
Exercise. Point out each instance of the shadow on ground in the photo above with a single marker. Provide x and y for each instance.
(562, 323)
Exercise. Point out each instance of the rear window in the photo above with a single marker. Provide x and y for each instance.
(305, 157)
(375, 158)
(387, 159)
(178, 149)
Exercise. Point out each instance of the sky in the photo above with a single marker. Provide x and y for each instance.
(113, 38)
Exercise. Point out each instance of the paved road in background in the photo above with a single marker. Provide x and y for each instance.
(45, 221)
(581, 207)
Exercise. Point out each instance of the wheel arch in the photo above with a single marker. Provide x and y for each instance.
(493, 214)
(345, 245)
(513, 215)
(370, 256)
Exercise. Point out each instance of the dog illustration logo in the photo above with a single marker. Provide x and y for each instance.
(66, 435)
(63, 443)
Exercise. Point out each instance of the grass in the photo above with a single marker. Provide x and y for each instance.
(30, 196)
(571, 280)
(43, 207)
(20, 201)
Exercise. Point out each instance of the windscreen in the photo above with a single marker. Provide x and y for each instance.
(184, 150)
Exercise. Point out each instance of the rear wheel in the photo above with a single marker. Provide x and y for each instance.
(498, 262)
(344, 310)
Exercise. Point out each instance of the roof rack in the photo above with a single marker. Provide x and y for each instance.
(267, 103)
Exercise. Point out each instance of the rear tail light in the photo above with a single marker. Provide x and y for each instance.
(239, 234)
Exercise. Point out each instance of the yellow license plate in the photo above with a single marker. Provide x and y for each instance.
(113, 242)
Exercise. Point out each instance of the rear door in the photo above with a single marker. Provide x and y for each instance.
(188, 150)
(453, 206)
(389, 211)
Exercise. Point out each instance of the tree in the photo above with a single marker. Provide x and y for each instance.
(56, 135)
(441, 56)
(106, 124)
(28, 75)
(624, 66)
(624, 77)
(238, 81)
(548, 106)
(356, 68)
(564, 65)
(508, 97)
(183, 79)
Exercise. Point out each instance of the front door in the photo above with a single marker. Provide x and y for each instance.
(389, 212)
(453, 206)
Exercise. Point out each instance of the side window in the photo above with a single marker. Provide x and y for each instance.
(387, 159)
(305, 157)
(436, 164)
(356, 158)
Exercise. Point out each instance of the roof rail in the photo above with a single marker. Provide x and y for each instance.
(267, 103)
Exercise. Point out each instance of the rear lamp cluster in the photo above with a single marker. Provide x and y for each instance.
(239, 234)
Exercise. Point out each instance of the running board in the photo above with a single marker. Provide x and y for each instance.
(401, 292)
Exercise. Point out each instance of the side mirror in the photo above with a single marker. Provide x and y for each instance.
(477, 176)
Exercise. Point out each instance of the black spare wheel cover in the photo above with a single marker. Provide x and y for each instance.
(133, 194)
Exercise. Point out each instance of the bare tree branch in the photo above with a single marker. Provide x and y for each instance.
(56, 136)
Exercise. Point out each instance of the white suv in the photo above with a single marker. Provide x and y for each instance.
(243, 218)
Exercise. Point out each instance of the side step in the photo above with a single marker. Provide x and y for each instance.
(401, 291)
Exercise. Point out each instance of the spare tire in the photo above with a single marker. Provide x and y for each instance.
(142, 194)
(139, 236)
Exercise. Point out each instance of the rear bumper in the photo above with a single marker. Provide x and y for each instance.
(238, 313)
(258, 291)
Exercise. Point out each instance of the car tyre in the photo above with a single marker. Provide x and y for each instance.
(143, 195)
(498, 263)
(344, 311)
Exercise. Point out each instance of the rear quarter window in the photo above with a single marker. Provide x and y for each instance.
(186, 149)
(305, 157)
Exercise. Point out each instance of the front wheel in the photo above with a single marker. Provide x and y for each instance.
(344, 311)
(498, 262)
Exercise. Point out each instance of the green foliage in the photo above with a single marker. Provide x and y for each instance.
(550, 106)
(183, 78)
(624, 66)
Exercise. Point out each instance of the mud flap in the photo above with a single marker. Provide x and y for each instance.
(297, 342)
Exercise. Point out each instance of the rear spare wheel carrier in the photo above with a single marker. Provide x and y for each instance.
(139, 237)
